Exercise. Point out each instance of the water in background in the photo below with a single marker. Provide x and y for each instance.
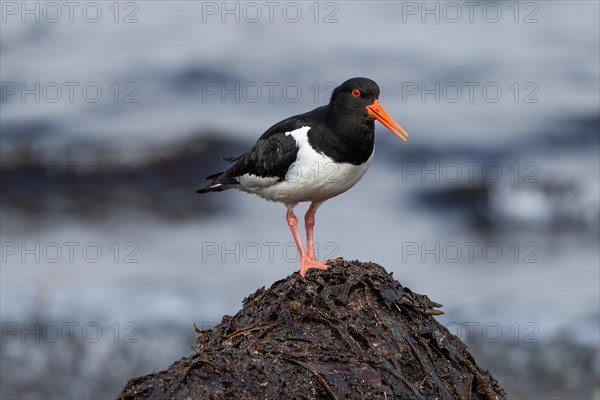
(491, 207)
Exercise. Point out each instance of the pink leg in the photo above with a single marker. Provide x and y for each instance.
(306, 262)
(293, 224)
(309, 223)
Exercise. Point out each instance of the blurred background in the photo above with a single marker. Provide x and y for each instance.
(112, 113)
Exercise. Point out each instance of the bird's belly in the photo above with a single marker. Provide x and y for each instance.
(314, 178)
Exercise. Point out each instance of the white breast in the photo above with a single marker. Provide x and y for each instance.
(312, 177)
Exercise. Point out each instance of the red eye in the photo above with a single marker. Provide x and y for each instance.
(355, 92)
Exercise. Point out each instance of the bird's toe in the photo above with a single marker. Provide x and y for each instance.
(307, 263)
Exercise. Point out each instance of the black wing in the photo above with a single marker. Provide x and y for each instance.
(271, 155)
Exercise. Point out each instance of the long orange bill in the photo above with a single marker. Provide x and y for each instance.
(376, 111)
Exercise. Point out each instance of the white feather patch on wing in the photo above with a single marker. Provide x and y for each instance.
(252, 182)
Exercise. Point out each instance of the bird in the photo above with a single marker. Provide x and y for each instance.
(311, 157)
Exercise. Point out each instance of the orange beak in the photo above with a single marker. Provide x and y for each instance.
(376, 111)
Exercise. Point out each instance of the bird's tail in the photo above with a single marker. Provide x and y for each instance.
(216, 187)
(221, 181)
(217, 184)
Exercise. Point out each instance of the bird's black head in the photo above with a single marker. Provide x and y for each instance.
(358, 99)
(354, 95)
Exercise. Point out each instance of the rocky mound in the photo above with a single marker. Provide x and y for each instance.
(352, 332)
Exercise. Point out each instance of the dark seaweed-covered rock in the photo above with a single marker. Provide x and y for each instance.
(351, 332)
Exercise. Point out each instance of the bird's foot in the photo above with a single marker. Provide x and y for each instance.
(307, 263)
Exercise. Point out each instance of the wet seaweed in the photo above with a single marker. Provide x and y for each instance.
(351, 332)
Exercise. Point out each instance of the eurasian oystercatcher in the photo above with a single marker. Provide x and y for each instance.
(312, 157)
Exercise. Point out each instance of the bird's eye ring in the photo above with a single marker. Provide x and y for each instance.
(355, 92)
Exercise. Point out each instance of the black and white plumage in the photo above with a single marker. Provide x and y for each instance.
(312, 156)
